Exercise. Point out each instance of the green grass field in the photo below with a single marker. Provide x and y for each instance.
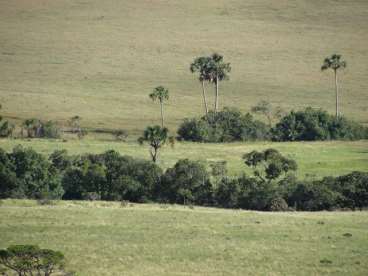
(100, 59)
(314, 158)
(100, 238)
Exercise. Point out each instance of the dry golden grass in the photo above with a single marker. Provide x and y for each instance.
(100, 59)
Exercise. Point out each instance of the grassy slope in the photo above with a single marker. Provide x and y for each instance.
(100, 59)
(106, 239)
(313, 158)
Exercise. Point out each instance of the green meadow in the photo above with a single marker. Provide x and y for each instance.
(101, 238)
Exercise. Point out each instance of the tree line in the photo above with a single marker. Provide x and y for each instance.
(272, 186)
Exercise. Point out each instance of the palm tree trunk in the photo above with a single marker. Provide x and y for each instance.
(337, 94)
(162, 114)
(217, 94)
(204, 98)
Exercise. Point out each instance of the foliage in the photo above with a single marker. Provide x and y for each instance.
(225, 126)
(266, 109)
(75, 126)
(161, 94)
(316, 124)
(278, 204)
(31, 260)
(269, 164)
(6, 129)
(188, 182)
(334, 62)
(25, 173)
(34, 128)
(111, 176)
(156, 137)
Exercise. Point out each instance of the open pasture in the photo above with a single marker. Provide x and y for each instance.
(101, 59)
(101, 238)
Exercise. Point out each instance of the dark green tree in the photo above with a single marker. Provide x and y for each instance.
(188, 182)
(161, 94)
(335, 63)
(269, 165)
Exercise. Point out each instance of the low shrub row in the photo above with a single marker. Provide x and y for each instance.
(308, 125)
(25, 173)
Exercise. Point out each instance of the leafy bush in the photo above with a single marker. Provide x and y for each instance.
(35, 128)
(227, 193)
(112, 177)
(278, 204)
(31, 260)
(25, 173)
(354, 190)
(188, 182)
(50, 130)
(315, 196)
(6, 129)
(316, 124)
(225, 126)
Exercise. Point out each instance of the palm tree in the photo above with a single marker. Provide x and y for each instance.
(335, 63)
(160, 93)
(156, 137)
(218, 72)
(201, 65)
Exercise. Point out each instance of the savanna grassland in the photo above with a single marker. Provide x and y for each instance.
(101, 59)
(100, 238)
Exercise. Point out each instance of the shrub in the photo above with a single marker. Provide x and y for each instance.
(354, 190)
(50, 130)
(227, 193)
(35, 128)
(278, 204)
(315, 196)
(25, 173)
(6, 129)
(31, 260)
(225, 126)
(316, 124)
(112, 177)
(187, 182)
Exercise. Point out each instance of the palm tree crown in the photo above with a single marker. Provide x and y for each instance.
(160, 93)
(334, 62)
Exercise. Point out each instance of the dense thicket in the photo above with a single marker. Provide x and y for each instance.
(316, 124)
(110, 176)
(307, 125)
(225, 126)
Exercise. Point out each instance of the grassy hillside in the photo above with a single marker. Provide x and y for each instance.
(100, 59)
(313, 158)
(106, 239)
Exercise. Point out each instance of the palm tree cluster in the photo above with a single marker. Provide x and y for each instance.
(211, 69)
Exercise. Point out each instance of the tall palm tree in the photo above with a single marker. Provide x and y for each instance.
(219, 71)
(335, 63)
(161, 94)
(201, 65)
